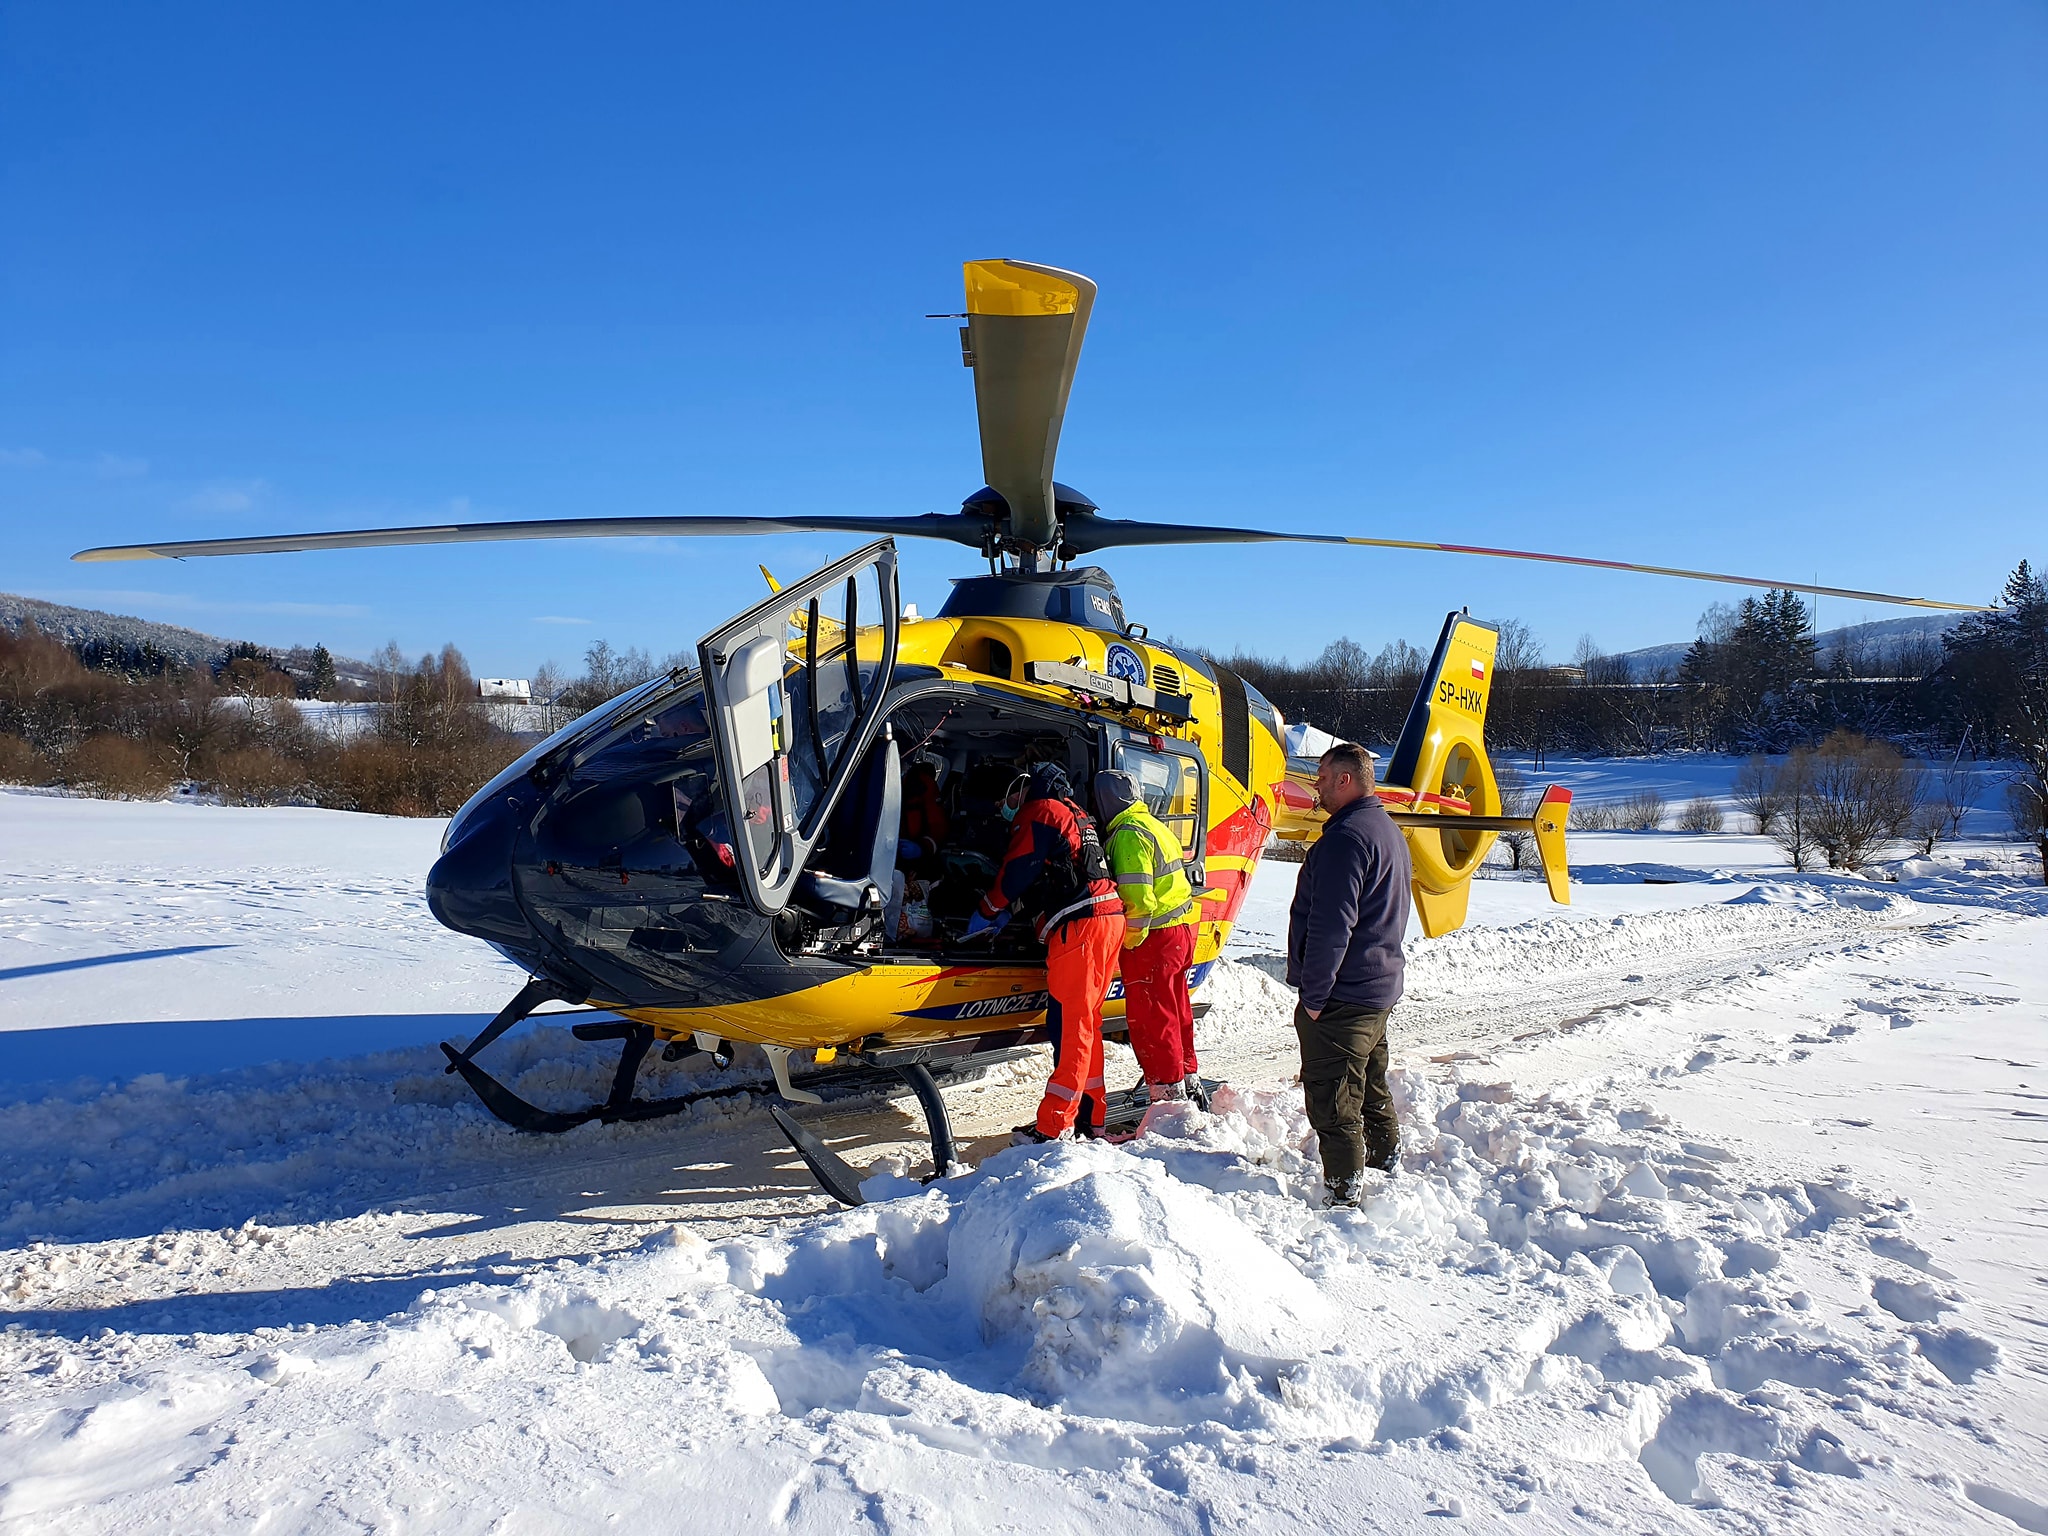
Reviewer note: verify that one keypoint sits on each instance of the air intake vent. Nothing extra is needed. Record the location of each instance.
(1166, 679)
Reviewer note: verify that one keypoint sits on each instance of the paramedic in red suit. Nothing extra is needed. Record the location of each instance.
(924, 820)
(1081, 921)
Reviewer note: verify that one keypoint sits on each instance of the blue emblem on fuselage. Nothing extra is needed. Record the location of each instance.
(1125, 663)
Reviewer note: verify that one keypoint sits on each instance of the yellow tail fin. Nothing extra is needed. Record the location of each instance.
(1552, 812)
(1440, 766)
(1440, 786)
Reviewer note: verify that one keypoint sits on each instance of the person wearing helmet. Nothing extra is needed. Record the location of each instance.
(1054, 871)
(1162, 917)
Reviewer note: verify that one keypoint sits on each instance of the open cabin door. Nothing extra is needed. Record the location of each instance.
(795, 687)
(1173, 781)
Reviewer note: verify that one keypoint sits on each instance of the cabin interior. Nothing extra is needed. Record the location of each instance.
(919, 834)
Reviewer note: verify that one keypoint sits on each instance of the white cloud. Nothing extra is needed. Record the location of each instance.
(22, 458)
(556, 618)
(119, 466)
(227, 496)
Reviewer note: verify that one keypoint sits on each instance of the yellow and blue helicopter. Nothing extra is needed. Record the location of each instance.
(720, 856)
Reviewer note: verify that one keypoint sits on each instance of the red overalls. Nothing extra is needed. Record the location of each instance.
(1082, 942)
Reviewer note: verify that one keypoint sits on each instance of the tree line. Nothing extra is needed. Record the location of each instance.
(115, 720)
(1750, 684)
(420, 745)
(414, 739)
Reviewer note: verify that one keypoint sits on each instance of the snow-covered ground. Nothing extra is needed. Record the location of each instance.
(1721, 1209)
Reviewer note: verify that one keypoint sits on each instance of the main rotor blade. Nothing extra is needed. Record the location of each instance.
(956, 527)
(1024, 328)
(1084, 535)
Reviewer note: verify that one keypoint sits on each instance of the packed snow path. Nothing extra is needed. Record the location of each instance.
(1720, 1210)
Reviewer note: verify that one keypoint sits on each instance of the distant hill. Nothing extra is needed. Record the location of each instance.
(193, 648)
(1654, 661)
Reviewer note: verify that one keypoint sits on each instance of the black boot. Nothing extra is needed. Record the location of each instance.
(1341, 1194)
(1089, 1122)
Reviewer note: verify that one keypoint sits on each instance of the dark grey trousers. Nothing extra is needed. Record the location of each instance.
(1344, 1082)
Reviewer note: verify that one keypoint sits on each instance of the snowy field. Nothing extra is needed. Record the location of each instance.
(1722, 1209)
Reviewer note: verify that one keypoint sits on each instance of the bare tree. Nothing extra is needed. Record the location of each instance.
(1398, 666)
(1344, 664)
(1951, 794)
(1914, 655)
(1760, 791)
(1518, 649)
(548, 684)
(189, 726)
(1700, 815)
(1863, 795)
(1791, 784)
(2028, 806)
(1643, 811)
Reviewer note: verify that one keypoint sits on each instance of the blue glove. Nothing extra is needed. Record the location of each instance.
(977, 925)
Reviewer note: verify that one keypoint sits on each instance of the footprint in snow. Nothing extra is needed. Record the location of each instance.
(1913, 1301)
(1904, 1251)
(2022, 1512)
(1957, 1353)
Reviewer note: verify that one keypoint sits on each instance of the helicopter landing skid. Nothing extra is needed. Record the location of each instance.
(635, 1040)
(832, 1172)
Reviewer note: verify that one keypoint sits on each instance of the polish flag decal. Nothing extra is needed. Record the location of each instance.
(1478, 670)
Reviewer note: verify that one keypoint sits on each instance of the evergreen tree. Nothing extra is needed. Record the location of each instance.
(1995, 680)
(1751, 672)
(323, 680)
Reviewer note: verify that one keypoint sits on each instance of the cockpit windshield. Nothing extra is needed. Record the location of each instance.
(584, 727)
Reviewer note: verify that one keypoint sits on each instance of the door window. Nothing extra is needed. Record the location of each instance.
(795, 686)
(1171, 787)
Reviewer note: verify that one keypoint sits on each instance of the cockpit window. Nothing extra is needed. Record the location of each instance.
(683, 721)
(550, 749)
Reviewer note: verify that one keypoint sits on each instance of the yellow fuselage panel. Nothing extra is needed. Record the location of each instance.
(904, 1004)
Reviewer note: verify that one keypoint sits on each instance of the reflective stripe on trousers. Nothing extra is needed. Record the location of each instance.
(1080, 960)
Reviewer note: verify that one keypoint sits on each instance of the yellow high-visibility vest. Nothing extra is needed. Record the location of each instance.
(1151, 876)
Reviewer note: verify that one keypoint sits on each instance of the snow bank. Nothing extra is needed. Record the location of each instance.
(339, 1296)
(1616, 1295)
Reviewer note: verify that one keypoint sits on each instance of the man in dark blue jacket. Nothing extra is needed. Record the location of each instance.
(1344, 955)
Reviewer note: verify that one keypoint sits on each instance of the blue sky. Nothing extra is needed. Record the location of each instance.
(1746, 287)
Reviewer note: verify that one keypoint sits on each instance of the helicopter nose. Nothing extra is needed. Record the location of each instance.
(469, 888)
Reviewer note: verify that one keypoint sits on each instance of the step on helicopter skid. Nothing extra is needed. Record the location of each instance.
(718, 858)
